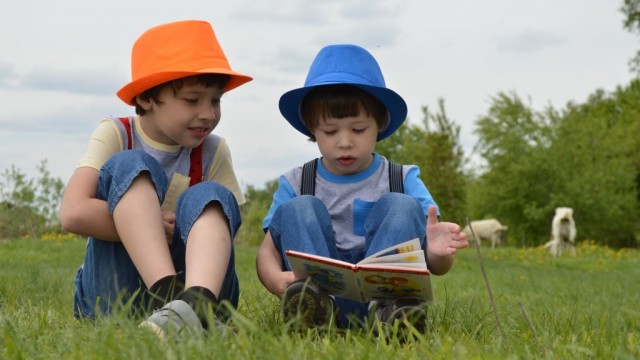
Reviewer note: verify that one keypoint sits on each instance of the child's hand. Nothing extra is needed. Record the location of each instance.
(443, 238)
(169, 222)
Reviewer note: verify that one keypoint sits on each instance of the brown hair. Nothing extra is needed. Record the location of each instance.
(340, 101)
(208, 80)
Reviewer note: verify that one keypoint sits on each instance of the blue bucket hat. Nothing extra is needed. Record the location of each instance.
(345, 65)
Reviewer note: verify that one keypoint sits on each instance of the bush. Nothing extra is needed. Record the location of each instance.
(253, 212)
(29, 206)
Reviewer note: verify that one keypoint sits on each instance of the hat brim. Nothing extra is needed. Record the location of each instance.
(128, 92)
(396, 106)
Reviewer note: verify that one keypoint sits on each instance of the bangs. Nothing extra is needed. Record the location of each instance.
(208, 80)
(340, 101)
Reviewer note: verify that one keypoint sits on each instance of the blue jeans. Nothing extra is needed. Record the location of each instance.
(108, 279)
(303, 224)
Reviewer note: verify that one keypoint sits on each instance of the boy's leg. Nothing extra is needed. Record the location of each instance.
(303, 224)
(352, 313)
(106, 280)
(395, 218)
(138, 219)
(108, 274)
(207, 220)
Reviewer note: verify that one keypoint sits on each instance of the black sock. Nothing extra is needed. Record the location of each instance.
(203, 301)
(163, 291)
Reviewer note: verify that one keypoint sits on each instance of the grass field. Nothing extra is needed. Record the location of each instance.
(582, 307)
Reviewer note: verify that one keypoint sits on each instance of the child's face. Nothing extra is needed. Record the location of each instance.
(184, 118)
(347, 144)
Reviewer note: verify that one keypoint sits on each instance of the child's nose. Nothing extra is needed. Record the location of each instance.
(344, 140)
(208, 111)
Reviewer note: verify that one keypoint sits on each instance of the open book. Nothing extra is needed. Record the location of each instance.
(398, 271)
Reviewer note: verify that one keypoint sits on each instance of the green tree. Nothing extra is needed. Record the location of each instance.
(444, 162)
(514, 186)
(597, 147)
(631, 9)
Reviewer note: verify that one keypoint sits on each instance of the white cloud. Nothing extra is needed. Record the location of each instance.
(7, 75)
(296, 12)
(529, 41)
(82, 82)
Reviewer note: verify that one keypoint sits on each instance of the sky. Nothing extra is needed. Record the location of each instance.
(62, 61)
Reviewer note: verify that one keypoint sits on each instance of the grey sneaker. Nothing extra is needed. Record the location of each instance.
(175, 317)
(406, 311)
(303, 298)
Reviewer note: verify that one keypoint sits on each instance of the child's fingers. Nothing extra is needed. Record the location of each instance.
(432, 215)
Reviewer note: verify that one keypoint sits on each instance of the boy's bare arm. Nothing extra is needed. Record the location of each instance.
(269, 266)
(81, 213)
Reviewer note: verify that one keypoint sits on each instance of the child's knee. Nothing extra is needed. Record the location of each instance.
(124, 167)
(304, 204)
(204, 193)
(207, 196)
(132, 158)
(400, 203)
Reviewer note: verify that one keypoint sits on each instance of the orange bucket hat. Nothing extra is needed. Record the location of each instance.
(175, 50)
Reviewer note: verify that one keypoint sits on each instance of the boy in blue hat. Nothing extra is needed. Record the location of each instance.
(345, 209)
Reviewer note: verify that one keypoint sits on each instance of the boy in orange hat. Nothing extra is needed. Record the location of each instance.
(156, 193)
(351, 202)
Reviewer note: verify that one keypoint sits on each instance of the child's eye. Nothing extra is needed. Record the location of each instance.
(329, 132)
(191, 101)
(359, 131)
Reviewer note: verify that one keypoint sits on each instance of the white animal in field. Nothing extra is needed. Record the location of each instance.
(486, 230)
(563, 232)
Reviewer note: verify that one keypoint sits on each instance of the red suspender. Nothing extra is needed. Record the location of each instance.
(127, 126)
(195, 167)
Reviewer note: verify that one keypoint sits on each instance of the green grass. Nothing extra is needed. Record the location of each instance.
(583, 307)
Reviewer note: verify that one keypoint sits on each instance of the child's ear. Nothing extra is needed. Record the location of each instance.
(145, 104)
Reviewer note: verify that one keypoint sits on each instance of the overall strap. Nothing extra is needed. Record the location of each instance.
(396, 181)
(308, 186)
(195, 166)
(127, 126)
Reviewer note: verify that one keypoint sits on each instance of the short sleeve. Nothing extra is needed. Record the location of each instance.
(284, 193)
(105, 141)
(414, 186)
(221, 171)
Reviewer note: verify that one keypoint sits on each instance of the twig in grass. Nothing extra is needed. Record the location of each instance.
(533, 330)
(486, 279)
(524, 313)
